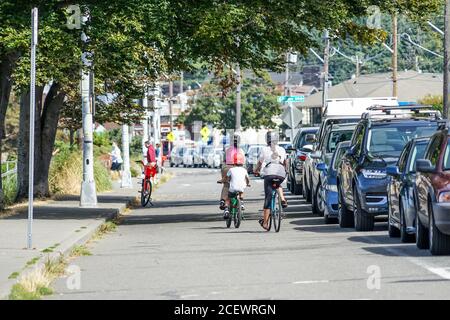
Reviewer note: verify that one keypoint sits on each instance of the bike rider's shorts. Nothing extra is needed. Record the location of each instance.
(270, 183)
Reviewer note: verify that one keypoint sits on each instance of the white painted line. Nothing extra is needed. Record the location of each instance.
(189, 296)
(311, 282)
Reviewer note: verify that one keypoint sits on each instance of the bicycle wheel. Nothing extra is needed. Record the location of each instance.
(276, 212)
(146, 192)
(228, 221)
(237, 214)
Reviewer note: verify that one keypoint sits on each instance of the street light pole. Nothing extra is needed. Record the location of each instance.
(126, 174)
(394, 56)
(34, 40)
(238, 98)
(287, 90)
(326, 58)
(88, 196)
(446, 91)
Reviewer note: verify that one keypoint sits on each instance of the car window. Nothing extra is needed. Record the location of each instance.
(338, 157)
(389, 140)
(334, 138)
(403, 159)
(434, 150)
(417, 153)
(357, 139)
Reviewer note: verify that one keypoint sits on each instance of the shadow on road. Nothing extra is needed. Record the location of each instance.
(397, 251)
(65, 213)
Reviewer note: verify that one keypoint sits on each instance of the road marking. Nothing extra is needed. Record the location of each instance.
(189, 296)
(186, 185)
(443, 272)
(311, 282)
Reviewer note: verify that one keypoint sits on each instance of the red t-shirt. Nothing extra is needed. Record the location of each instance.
(151, 154)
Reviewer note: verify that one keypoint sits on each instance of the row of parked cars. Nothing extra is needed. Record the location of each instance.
(210, 157)
(392, 161)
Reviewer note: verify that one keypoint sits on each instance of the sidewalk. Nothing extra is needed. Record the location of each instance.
(60, 224)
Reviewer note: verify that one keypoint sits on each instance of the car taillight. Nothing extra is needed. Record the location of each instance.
(302, 157)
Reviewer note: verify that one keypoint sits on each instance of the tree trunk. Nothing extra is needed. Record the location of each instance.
(47, 117)
(7, 64)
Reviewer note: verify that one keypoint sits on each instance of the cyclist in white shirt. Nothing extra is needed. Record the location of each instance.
(274, 157)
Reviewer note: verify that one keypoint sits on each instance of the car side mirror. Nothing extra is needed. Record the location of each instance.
(393, 171)
(425, 166)
(310, 138)
(316, 155)
(322, 167)
(308, 148)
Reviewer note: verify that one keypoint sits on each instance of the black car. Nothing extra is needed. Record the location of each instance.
(401, 190)
(377, 143)
(297, 155)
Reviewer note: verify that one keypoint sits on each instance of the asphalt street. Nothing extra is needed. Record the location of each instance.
(181, 249)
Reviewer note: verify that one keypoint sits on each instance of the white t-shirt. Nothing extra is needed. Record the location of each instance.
(273, 161)
(238, 180)
(115, 155)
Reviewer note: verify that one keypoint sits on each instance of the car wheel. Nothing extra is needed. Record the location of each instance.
(422, 240)
(307, 194)
(363, 222)
(439, 242)
(392, 230)
(404, 236)
(316, 202)
(345, 216)
(297, 188)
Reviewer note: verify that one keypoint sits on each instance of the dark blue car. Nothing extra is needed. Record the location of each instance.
(328, 187)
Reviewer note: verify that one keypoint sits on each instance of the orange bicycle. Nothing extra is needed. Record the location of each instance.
(147, 187)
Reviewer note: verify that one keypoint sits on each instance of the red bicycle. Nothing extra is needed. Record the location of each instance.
(147, 186)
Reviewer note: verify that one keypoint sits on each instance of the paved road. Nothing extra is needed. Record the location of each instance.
(180, 249)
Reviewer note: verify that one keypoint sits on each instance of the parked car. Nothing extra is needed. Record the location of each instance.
(176, 156)
(215, 159)
(377, 143)
(318, 141)
(433, 195)
(328, 183)
(285, 145)
(296, 159)
(198, 159)
(332, 135)
(188, 158)
(205, 153)
(252, 156)
(401, 190)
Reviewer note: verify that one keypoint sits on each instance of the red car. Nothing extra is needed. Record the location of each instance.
(432, 198)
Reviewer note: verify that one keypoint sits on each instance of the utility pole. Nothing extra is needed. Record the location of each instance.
(126, 174)
(326, 59)
(34, 41)
(238, 98)
(88, 196)
(145, 135)
(170, 111)
(394, 56)
(287, 92)
(446, 91)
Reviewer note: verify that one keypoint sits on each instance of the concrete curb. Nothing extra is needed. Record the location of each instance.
(66, 246)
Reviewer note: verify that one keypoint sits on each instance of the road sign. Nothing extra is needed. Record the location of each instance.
(205, 132)
(286, 99)
(170, 137)
(286, 117)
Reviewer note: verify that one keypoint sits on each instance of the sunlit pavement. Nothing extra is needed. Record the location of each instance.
(181, 249)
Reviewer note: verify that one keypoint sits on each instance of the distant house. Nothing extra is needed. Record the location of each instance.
(412, 86)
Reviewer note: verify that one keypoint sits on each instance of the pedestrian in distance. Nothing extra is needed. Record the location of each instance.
(116, 159)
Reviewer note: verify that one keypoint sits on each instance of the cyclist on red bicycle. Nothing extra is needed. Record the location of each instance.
(150, 156)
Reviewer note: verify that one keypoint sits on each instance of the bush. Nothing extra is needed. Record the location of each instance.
(101, 139)
(136, 145)
(10, 189)
(66, 173)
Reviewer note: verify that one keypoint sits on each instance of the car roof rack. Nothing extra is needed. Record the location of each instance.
(380, 112)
